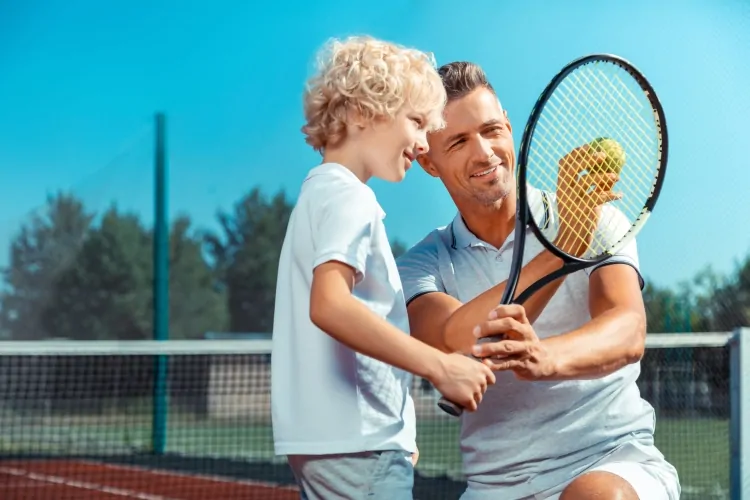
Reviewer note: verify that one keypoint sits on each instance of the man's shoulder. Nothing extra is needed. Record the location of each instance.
(428, 245)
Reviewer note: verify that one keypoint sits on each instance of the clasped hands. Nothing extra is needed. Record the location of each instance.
(518, 348)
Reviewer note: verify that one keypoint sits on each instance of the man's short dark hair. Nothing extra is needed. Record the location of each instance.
(461, 78)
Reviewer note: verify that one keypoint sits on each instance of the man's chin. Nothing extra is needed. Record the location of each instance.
(490, 198)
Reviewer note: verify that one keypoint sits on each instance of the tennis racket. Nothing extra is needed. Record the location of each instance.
(597, 117)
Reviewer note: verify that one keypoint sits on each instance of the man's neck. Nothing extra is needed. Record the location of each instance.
(491, 223)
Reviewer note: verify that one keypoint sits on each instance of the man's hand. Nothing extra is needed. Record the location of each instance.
(462, 380)
(580, 197)
(520, 351)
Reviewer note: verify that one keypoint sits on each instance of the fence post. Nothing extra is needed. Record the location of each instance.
(739, 430)
(161, 288)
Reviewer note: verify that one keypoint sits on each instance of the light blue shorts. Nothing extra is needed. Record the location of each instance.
(379, 475)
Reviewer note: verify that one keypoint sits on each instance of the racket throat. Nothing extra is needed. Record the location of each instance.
(566, 269)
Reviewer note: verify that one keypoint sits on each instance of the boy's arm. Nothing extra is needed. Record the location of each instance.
(344, 225)
(337, 312)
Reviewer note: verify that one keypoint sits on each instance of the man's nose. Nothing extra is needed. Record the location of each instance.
(482, 150)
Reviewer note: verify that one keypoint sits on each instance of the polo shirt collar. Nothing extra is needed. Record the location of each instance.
(462, 237)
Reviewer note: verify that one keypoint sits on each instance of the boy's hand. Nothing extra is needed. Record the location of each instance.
(463, 380)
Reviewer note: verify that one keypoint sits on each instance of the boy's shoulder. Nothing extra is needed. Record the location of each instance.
(332, 193)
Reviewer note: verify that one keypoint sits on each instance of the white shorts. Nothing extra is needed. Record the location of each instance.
(644, 467)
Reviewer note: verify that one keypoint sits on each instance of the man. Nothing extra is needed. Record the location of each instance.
(564, 419)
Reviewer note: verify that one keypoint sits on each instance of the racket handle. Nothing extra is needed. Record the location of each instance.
(450, 407)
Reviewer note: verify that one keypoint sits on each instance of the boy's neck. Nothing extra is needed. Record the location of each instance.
(348, 157)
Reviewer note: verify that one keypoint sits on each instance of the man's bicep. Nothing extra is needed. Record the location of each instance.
(428, 314)
(628, 255)
(617, 285)
(428, 304)
(419, 270)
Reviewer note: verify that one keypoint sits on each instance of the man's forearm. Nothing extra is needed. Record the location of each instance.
(602, 346)
(458, 328)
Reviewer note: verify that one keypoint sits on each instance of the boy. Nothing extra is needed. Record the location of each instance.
(342, 354)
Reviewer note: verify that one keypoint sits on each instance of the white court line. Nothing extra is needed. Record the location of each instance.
(47, 478)
(199, 476)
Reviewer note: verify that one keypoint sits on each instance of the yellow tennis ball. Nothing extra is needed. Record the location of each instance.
(615, 155)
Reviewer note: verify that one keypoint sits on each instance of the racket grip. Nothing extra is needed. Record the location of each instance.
(450, 407)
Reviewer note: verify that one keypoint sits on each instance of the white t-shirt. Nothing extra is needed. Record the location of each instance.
(325, 397)
(527, 437)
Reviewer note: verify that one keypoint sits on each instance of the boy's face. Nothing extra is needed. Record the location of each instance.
(390, 146)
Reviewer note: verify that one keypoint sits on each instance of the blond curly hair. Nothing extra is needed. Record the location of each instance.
(374, 78)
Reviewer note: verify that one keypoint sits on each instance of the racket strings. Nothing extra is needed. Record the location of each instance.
(577, 206)
(631, 207)
(640, 175)
(599, 99)
(643, 153)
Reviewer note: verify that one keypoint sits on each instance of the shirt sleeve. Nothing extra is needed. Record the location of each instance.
(420, 270)
(628, 254)
(343, 227)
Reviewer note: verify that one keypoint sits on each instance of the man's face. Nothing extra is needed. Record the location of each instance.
(474, 154)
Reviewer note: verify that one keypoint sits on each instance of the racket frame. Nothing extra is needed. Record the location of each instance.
(571, 263)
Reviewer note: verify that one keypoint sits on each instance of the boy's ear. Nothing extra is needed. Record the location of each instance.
(355, 119)
(427, 165)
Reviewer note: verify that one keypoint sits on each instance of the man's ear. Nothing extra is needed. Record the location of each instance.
(427, 165)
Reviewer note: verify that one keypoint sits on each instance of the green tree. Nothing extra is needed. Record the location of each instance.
(197, 302)
(108, 293)
(728, 300)
(246, 257)
(398, 248)
(46, 246)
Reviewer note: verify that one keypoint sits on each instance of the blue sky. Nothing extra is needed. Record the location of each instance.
(80, 81)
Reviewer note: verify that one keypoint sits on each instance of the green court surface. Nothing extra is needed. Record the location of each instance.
(698, 448)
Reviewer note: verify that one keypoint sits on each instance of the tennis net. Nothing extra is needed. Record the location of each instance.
(77, 420)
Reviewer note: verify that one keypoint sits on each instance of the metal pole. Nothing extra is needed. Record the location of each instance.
(739, 430)
(161, 287)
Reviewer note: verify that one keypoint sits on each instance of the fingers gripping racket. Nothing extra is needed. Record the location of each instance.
(597, 124)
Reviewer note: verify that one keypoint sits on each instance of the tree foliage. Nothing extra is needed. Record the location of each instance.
(74, 273)
(77, 274)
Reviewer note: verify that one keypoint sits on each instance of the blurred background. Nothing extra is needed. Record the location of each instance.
(81, 86)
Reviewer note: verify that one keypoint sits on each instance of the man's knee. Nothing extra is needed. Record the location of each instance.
(599, 485)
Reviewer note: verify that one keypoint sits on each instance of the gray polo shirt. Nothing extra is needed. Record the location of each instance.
(526, 436)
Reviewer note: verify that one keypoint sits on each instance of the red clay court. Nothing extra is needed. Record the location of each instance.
(85, 480)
